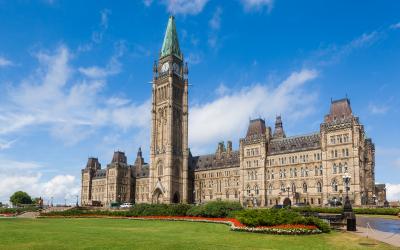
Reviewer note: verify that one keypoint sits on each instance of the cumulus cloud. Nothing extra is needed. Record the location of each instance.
(227, 116)
(27, 176)
(393, 192)
(59, 187)
(257, 5)
(4, 62)
(68, 105)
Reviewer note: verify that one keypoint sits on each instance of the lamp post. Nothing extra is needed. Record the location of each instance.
(51, 200)
(77, 205)
(346, 180)
(347, 209)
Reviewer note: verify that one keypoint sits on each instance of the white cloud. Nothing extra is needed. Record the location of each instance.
(215, 21)
(4, 62)
(28, 177)
(334, 53)
(112, 68)
(393, 192)
(6, 144)
(215, 25)
(69, 106)
(194, 58)
(60, 187)
(227, 117)
(378, 110)
(395, 26)
(191, 7)
(257, 5)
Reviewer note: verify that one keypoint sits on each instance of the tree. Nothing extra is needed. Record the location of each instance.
(20, 197)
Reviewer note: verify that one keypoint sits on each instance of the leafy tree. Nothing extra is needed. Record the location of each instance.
(20, 197)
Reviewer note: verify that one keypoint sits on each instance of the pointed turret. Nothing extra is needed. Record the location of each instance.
(279, 132)
(171, 45)
(139, 158)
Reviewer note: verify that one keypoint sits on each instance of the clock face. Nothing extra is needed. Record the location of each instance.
(165, 67)
(176, 68)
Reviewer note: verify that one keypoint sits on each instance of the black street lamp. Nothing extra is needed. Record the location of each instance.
(347, 209)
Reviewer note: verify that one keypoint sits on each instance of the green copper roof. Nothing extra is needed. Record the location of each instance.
(171, 45)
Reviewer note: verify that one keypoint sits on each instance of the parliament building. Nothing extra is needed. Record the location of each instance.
(268, 168)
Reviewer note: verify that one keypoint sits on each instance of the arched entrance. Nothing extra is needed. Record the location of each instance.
(287, 202)
(176, 198)
(157, 196)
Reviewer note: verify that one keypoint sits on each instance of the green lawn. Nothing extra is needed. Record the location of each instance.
(132, 234)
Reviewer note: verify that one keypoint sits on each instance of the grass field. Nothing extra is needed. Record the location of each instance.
(133, 234)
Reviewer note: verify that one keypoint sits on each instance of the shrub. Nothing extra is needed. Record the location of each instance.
(137, 210)
(215, 209)
(273, 217)
(338, 210)
(18, 210)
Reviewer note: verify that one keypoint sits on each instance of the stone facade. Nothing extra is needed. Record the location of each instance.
(268, 167)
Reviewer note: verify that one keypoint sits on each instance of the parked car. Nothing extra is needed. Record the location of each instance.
(126, 205)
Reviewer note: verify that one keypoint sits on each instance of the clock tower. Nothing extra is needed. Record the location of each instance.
(169, 150)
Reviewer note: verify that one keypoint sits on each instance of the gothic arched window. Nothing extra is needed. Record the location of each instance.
(304, 188)
(160, 169)
(270, 189)
(319, 187)
(293, 188)
(334, 186)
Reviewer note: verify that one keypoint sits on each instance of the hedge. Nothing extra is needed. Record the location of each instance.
(215, 209)
(338, 210)
(137, 210)
(18, 210)
(274, 217)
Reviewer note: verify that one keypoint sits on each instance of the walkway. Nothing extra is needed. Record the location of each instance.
(390, 238)
(382, 229)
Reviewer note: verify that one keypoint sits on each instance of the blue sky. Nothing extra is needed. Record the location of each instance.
(74, 78)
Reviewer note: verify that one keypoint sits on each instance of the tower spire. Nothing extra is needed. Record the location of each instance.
(171, 45)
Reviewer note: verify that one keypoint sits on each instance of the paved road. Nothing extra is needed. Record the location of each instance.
(384, 225)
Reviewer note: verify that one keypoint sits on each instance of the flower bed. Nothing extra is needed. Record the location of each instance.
(233, 223)
(7, 215)
(237, 226)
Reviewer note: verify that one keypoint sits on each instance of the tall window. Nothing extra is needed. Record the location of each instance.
(334, 168)
(345, 167)
(334, 186)
(340, 168)
(304, 188)
(270, 189)
(316, 170)
(320, 170)
(160, 169)
(272, 174)
(256, 190)
(248, 190)
(293, 188)
(319, 187)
